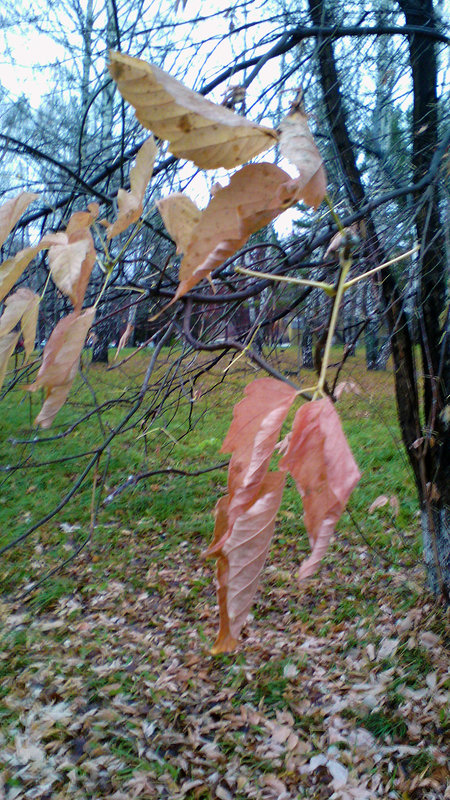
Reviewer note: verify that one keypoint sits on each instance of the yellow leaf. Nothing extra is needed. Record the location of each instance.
(298, 146)
(210, 135)
(11, 211)
(130, 203)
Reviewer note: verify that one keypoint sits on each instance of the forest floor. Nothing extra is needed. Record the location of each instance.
(338, 689)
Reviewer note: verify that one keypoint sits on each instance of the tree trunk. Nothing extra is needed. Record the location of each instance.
(433, 320)
(307, 348)
(100, 351)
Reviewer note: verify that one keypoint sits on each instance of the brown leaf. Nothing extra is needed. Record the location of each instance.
(298, 146)
(130, 204)
(346, 386)
(344, 237)
(321, 463)
(11, 211)
(21, 306)
(7, 346)
(255, 195)
(208, 134)
(60, 362)
(379, 502)
(124, 338)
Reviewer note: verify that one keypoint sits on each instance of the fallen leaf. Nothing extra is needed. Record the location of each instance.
(379, 502)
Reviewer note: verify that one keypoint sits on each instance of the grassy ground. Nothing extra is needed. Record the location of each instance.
(107, 687)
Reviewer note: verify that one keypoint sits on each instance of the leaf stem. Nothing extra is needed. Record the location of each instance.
(326, 287)
(340, 289)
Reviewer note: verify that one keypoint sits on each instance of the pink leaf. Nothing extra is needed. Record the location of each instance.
(322, 465)
(246, 516)
(242, 556)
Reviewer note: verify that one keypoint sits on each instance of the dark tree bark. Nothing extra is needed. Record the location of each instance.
(433, 328)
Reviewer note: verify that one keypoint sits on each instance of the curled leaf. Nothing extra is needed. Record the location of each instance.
(208, 134)
(298, 146)
(322, 465)
(12, 268)
(255, 195)
(246, 515)
(180, 216)
(130, 204)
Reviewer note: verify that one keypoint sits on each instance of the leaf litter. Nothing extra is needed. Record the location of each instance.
(113, 694)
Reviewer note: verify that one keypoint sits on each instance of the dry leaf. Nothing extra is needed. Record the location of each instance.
(72, 255)
(321, 463)
(253, 433)
(298, 146)
(21, 306)
(379, 502)
(242, 555)
(180, 216)
(11, 211)
(347, 236)
(245, 517)
(255, 195)
(210, 135)
(346, 386)
(7, 346)
(60, 362)
(130, 204)
(124, 338)
(12, 268)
